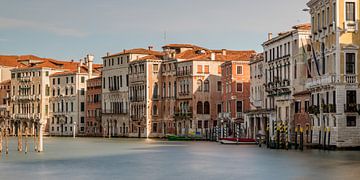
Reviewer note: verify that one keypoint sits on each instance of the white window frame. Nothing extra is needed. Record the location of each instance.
(356, 15)
(242, 69)
(356, 54)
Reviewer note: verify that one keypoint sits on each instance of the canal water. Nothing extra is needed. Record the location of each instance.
(134, 159)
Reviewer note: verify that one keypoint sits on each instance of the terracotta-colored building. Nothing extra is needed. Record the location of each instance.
(5, 102)
(302, 117)
(93, 107)
(236, 94)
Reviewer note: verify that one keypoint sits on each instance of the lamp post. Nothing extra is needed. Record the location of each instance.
(74, 129)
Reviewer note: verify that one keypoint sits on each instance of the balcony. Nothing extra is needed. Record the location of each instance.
(315, 110)
(183, 115)
(240, 115)
(321, 81)
(113, 112)
(350, 26)
(136, 117)
(350, 79)
(25, 79)
(25, 97)
(329, 108)
(351, 108)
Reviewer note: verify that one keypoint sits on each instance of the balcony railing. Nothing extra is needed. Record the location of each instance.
(321, 81)
(351, 108)
(183, 114)
(329, 108)
(350, 78)
(112, 111)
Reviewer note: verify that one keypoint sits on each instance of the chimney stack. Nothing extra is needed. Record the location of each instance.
(223, 52)
(270, 36)
(150, 48)
(212, 56)
(108, 54)
(90, 60)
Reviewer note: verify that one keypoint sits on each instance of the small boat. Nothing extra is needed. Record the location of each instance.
(238, 141)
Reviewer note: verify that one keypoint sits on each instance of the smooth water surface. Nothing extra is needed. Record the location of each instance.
(98, 158)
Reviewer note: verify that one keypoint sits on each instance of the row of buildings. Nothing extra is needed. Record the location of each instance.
(184, 90)
(307, 78)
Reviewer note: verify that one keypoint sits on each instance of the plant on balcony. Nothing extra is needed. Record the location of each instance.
(325, 108)
(332, 108)
(314, 110)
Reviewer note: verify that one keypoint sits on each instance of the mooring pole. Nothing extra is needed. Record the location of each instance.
(41, 145)
(1, 140)
(26, 140)
(7, 141)
(35, 144)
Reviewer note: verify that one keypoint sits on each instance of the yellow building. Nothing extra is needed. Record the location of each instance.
(333, 76)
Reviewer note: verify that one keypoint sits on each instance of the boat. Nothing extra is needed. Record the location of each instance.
(238, 141)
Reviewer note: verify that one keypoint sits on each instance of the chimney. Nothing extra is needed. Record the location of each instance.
(90, 60)
(72, 60)
(150, 48)
(223, 52)
(108, 54)
(81, 62)
(270, 36)
(212, 56)
(78, 68)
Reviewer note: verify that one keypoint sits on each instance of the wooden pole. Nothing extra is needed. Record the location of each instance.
(26, 140)
(18, 136)
(35, 145)
(1, 140)
(7, 140)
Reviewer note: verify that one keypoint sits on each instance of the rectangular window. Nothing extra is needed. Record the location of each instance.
(82, 106)
(351, 121)
(350, 63)
(200, 124)
(239, 106)
(58, 80)
(82, 119)
(82, 91)
(307, 106)
(206, 69)
(350, 11)
(239, 70)
(155, 67)
(199, 69)
(219, 110)
(154, 128)
(82, 79)
(239, 87)
(297, 107)
(219, 85)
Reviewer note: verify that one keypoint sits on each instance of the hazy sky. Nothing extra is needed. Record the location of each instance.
(68, 29)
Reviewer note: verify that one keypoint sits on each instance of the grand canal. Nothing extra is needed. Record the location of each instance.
(97, 158)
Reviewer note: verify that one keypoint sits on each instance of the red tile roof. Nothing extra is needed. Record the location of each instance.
(136, 51)
(182, 46)
(231, 55)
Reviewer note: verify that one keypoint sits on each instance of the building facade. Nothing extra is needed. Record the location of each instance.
(67, 98)
(115, 90)
(333, 81)
(235, 84)
(93, 126)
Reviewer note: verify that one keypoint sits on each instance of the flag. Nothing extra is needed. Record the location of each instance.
(315, 59)
(305, 60)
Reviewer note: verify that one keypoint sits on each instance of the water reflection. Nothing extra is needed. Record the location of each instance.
(97, 158)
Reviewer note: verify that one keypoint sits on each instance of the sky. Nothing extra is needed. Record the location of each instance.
(70, 29)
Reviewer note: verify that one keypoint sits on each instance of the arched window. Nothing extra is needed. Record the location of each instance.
(199, 108)
(206, 107)
(154, 110)
(156, 91)
(199, 83)
(206, 86)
